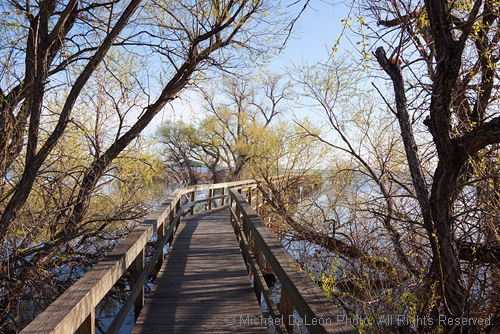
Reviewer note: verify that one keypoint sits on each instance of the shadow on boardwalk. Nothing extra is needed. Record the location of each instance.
(203, 284)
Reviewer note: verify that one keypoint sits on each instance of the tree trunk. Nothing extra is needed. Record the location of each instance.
(436, 210)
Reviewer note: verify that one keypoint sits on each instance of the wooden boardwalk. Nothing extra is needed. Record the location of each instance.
(203, 286)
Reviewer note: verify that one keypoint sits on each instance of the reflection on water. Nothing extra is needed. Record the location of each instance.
(298, 328)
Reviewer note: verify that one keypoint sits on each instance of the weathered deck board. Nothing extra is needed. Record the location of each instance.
(203, 283)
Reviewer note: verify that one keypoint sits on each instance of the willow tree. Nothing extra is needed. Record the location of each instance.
(51, 53)
(180, 149)
(236, 118)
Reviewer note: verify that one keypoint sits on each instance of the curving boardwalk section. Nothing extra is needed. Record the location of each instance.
(203, 284)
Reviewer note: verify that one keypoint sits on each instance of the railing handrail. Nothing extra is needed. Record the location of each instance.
(318, 313)
(74, 309)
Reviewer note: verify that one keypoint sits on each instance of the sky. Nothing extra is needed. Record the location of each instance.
(314, 34)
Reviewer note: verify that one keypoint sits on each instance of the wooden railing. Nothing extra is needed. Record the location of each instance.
(262, 250)
(74, 310)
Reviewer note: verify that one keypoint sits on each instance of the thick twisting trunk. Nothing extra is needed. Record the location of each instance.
(436, 208)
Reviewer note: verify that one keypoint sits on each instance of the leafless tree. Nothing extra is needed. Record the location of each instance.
(51, 52)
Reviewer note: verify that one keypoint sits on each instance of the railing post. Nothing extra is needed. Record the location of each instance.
(138, 268)
(88, 326)
(178, 205)
(249, 196)
(257, 197)
(193, 195)
(177, 209)
(246, 231)
(210, 195)
(237, 212)
(159, 237)
(259, 256)
(286, 310)
(170, 221)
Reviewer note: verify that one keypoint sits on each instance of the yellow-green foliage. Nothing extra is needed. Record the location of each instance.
(287, 147)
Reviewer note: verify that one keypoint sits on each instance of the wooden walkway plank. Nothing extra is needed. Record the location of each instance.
(203, 286)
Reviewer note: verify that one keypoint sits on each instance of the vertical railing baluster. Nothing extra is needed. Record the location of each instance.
(138, 268)
(177, 209)
(170, 221)
(159, 236)
(286, 310)
(88, 326)
(210, 195)
(237, 212)
(193, 197)
(257, 199)
(177, 205)
(259, 256)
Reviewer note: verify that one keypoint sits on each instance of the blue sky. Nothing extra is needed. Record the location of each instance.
(313, 37)
(314, 33)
